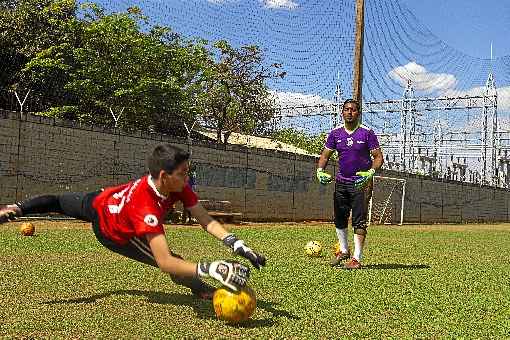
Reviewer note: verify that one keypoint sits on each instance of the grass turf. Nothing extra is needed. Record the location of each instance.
(418, 281)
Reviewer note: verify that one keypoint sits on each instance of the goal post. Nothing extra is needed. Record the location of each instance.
(386, 205)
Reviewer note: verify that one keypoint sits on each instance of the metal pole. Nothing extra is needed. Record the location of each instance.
(357, 82)
(402, 207)
(370, 203)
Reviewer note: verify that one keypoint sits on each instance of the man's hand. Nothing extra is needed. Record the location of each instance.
(239, 248)
(365, 177)
(323, 177)
(229, 273)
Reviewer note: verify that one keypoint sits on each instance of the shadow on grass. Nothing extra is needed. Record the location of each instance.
(396, 266)
(202, 308)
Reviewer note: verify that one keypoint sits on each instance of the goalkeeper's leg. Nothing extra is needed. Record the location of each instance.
(342, 208)
(360, 200)
(77, 205)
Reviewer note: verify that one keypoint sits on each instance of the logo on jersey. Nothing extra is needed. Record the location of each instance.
(349, 141)
(151, 220)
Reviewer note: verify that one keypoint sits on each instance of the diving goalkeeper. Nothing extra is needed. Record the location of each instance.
(128, 219)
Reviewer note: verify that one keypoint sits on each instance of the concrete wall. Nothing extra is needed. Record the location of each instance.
(429, 200)
(46, 155)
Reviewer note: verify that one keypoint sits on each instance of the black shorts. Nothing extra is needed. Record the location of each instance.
(346, 198)
(79, 205)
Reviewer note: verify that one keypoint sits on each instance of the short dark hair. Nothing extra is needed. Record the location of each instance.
(350, 100)
(166, 157)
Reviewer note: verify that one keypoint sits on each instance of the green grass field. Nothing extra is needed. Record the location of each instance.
(418, 282)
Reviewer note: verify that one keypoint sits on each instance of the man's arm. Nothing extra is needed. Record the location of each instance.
(166, 262)
(231, 274)
(215, 228)
(378, 159)
(209, 224)
(324, 158)
(322, 176)
(366, 176)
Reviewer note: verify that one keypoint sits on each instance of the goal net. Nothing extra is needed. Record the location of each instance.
(387, 203)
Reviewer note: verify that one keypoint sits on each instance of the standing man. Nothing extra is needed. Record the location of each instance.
(192, 175)
(359, 156)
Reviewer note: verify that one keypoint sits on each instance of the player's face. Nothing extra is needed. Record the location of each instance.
(177, 180)
(350, 113)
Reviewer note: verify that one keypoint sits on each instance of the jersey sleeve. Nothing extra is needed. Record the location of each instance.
(188, 197)
(372, 142)
(331, 141)
(147, 221)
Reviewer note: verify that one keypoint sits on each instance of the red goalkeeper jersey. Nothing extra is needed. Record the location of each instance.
(136, 209)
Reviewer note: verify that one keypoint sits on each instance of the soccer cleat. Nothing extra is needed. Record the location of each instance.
(352, 264)
(339, 258)
(9, 213)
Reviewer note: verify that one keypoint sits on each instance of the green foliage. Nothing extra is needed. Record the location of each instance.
(115, 69)
(235, 97)
(312, 143)
(418, 281)
(28, 27)
(122, 76)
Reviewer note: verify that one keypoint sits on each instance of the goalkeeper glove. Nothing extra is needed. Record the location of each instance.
(365, 177)
(323, 177)
(241, 249)
(229, 273)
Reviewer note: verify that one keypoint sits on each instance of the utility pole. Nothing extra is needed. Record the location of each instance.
(357, 82)
(338, 102)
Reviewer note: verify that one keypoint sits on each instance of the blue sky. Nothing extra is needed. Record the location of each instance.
(468, 25)
(442, 46)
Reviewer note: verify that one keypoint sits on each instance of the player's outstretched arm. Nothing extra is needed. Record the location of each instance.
(229, 273)
(215, 228)
(166, 262)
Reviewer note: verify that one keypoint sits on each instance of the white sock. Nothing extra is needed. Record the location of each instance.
(358, 246)
(342, 239)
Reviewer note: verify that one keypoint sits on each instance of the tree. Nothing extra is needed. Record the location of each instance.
(314, 144)
(28, 27)
(235, 97)
(122, 76)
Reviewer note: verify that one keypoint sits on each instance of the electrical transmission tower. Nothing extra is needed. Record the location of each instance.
(434, 149)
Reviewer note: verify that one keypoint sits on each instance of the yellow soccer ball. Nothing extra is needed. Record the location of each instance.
(234, 307)
(313, 248)
(27, 229)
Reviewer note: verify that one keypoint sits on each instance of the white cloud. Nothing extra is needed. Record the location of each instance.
(504, 99)
(298, 99)
(443, 84)
(300, 103)
(276, 4)
(422, 79)
(218, 1)
(503, 95)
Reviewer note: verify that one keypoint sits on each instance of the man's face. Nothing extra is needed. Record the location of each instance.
(350, 113)
(177, 180)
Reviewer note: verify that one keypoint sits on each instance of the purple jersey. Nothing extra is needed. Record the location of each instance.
(353, 151)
